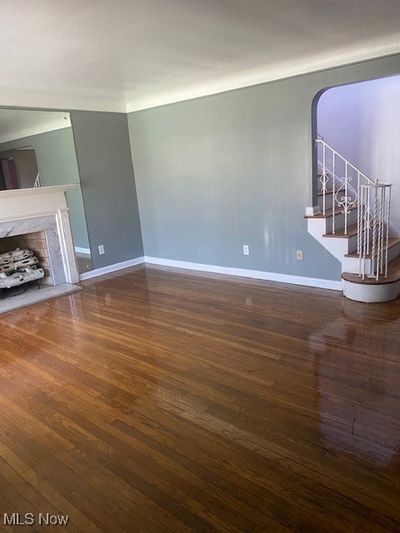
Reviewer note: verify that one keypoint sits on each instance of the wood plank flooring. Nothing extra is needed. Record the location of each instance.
(156, 400)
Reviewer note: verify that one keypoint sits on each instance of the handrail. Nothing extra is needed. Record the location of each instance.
(337, 154)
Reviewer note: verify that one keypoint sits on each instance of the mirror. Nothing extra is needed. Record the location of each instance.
(37, 150)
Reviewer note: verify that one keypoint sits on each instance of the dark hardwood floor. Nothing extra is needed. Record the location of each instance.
(156, 400)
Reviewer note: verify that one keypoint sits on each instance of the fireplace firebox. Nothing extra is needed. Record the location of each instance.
(19, 267)
(23, 259)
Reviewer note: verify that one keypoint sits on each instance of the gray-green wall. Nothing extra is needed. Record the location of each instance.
(108, 185)
(55, 154)
(235, 168)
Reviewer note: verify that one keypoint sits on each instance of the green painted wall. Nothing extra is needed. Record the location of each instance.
(56, 158)
(235, 168)
(108, 185)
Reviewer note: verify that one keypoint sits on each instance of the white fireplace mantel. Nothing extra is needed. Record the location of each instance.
(25, 210)
(16, 203)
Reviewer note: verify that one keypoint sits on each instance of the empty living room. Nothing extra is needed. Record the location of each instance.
(200, 266)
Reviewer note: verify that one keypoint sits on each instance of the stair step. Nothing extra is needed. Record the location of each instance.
(392, 242)
(339, 234)
(326, 192)
(393, 275)
(329, 212)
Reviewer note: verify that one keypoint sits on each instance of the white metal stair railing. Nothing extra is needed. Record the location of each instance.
(373, 227)
(353, 189)
(338, 172)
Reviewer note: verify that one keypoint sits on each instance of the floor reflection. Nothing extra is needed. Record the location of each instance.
(358, 399)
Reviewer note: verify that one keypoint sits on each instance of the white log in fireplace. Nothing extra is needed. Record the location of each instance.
(42, 211)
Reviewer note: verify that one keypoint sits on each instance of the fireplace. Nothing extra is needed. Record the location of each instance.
(38, 220)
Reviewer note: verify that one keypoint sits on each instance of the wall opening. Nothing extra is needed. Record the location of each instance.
(361, 121)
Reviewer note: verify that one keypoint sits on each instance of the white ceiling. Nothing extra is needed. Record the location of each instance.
(122, 55)
(18, 123)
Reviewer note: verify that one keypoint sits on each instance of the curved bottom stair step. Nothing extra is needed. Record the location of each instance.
(371, 289)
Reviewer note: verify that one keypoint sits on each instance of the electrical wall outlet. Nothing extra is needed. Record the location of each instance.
(101, 249)
(299, 255)
(246, 249)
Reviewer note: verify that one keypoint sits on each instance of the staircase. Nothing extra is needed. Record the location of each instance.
(352, 221)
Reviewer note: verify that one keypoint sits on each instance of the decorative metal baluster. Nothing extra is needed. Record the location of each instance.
(358, 213)
(378, 232)
(374, 227)
(324, 179)
(346, 197)
(388, 208)
(334, 194)
(367, 229)
(369, 218)
(360, 234)
(381, 229)
(367, 223)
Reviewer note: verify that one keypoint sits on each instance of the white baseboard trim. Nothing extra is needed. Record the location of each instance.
(229, 271)
(111, 268)
(245, 273)
(80, 250)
